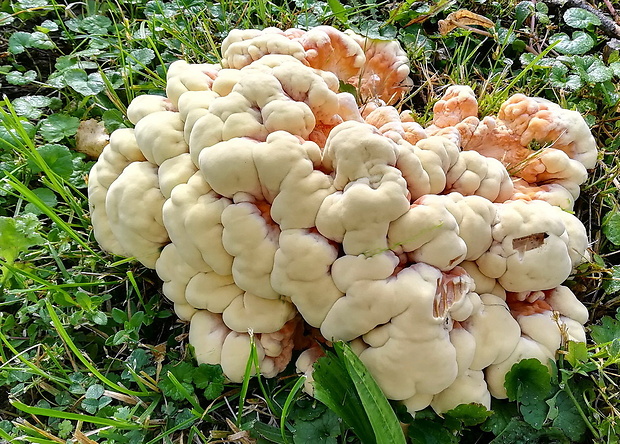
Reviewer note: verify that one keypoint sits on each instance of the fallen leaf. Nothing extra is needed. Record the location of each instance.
(463, 19)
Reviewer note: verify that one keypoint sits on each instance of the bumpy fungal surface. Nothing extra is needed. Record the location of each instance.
(272, 205)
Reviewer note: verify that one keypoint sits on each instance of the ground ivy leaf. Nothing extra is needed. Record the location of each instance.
(49, 25)
(31, 106)
(18, 42)
(113, 119)
(611, 284)
(568, 418)
(6, 18)
(580, 43)
(47, 196)
(19, 79)
(96, 24)
(40, 40)
(534, 411)
(85, 84)
(57, 157)
(560, 78)
(322, 430)
(206, 374)
(577, 352)
(29, 4)
(503, 413)
(527, 378)
(519, 432)
(607, 331)
(469, 414)
(213, 390)
(17, 234)
(170, 389)
(595, 70)
(142, 56)
(522, 11)
(210, 378)
(529, 382)
(307, 409)
(611, 227)
(425, 431)
(58, 126)
(580, 18)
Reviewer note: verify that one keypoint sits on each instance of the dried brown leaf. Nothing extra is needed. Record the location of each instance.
(463, 19)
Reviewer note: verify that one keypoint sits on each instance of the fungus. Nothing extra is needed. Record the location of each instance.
(274, 206)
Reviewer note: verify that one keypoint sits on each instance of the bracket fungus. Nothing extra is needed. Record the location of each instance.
(275, 206)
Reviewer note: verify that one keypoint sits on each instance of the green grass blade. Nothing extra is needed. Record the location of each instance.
(24, 192)
(380, 413)
(35, 370)
(67, 339)
(51, 413)
(334, 387)
(198, 410)
(6, 436)
(287, 405)
(251, 364)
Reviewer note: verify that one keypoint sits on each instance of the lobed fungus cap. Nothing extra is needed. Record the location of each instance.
(280, 211)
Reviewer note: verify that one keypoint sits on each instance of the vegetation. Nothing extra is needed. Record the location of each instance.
(89, 349)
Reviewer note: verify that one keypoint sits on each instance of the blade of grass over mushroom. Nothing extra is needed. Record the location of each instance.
(342, 382)
(380, 412)
(292, 396)
(67, 340)
(252, 365)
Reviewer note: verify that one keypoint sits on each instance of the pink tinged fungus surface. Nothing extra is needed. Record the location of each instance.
(279, 210)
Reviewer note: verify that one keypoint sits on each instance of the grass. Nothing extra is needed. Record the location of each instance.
(89, 349)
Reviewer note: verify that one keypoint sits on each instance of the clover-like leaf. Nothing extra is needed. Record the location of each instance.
(40, 40)
(19, 42)
(580, 43)
(529, 383)
(17, 234)
(19, 79)
(29, 4)
(96, 24)
(323, 430)
(85, 84)
(6, 18)
(560, 78)
(611, 227)
(592, 69)
(57, 157)
(580, 18)
(58, 126)
(141, 56)
(31, 106)
(46, 196)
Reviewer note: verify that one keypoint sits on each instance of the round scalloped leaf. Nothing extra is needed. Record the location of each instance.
(560, 78)
(580, 43)
(58, 126)
(580, 18)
